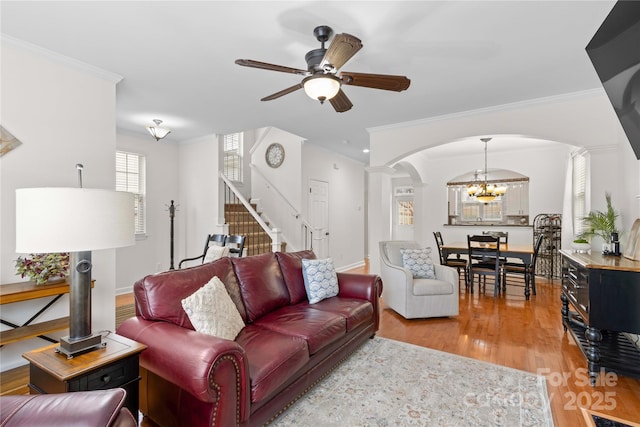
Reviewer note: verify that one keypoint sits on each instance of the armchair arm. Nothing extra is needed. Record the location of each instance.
(189, 259)
(210, 368)
(446, 273)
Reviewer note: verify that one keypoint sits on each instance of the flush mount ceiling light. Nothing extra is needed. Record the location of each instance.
(321, 86)
(157, 131)
(483, 191)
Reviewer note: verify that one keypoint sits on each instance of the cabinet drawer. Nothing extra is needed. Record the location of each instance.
(111, 376)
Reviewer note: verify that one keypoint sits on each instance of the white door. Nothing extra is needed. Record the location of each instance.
(319, 216)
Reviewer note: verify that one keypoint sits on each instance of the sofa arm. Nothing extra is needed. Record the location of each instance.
(361, 286)
(210, 368)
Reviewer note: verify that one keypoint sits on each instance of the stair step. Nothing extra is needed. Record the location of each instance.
(237, 207)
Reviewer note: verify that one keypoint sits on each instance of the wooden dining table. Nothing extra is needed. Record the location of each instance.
(509, 250)
(513, 250)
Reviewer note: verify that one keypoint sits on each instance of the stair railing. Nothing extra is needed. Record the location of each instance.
(233, 195)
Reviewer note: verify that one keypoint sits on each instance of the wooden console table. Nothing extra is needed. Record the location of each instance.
(24, 291)
(604, 293)
(111, 366)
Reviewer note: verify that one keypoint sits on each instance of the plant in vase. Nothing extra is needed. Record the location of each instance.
(581, 245)
(41, 268)
(602, 224)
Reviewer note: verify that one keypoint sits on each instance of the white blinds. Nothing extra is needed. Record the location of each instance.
(130, 170)
(579, 202)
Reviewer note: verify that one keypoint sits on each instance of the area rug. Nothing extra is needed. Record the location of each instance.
(124, 312)
(390, 383)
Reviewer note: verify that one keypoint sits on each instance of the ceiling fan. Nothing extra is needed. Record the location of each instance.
(322, 80)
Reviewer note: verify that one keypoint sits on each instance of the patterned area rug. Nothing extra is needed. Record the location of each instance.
(390, 383)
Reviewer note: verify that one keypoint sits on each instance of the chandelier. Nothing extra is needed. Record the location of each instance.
(483, 191)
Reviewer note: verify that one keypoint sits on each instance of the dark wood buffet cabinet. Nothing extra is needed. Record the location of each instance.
(600, 304)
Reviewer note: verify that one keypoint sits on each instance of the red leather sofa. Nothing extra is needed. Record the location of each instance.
(287, 346)
(100, 408)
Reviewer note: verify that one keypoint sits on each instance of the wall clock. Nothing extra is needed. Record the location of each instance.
(274, 155)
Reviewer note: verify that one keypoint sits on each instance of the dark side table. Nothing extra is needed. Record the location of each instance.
(114, 365)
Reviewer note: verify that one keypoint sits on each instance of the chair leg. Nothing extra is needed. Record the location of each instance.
(533, 282)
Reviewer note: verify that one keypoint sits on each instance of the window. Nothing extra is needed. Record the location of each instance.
(579, 192)
(232, 167)
(405, 212)
(130, 172)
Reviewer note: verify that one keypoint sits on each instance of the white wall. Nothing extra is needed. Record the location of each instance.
(63, 115)
(199, 194)
(151, 253)
(583, 120)
(346, 202)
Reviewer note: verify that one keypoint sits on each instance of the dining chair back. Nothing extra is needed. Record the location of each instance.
(236, 245)
(527, 271)
(484, 260)
(457, 262)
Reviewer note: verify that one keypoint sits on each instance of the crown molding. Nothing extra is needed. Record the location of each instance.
(494, 109)
(59, 58)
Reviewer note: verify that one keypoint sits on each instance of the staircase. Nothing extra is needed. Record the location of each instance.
(241, 222)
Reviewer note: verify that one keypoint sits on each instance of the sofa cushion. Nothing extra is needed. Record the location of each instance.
(319, 328)
(261, 284)
(419, 262)
(212, 312)
(432, 287)
(355, 311)
(291, 266)
(158, 296)
(273, 358)
(320, 279)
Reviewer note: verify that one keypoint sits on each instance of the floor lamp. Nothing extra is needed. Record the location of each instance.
(78, 221)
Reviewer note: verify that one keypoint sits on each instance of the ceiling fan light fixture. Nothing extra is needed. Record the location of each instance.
(157, 131)
(321, 87)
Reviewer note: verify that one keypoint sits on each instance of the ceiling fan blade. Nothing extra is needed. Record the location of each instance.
(342, 48)
(376, 81)
(266, 66)
(282, 92)
(340, 102)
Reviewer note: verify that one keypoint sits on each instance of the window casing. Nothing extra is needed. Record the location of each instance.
(130, 177)
(232, 163)
(579, 192)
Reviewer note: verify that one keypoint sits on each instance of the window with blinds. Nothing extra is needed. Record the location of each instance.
(130, 173)
(232, 167)
(579, 192)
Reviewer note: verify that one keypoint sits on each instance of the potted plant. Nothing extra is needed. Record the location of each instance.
(602, 224)
(43, 268)
(581, 245)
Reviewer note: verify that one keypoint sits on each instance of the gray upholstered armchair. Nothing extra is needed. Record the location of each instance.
(416, 298)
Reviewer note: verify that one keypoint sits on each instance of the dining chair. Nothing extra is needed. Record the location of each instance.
(527, 271)
(484, 260)
(212, 240)
(456, 262)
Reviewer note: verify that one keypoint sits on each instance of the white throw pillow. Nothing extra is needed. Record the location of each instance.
(212, 311)
(214, 252)
(419, 262)
(320, 279)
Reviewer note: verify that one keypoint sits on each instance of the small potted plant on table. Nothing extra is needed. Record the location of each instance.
(44, 268)
(601, 224)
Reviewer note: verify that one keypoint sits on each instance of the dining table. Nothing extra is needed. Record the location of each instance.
(523, 251)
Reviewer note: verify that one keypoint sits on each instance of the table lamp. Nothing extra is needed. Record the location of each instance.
(74, 220)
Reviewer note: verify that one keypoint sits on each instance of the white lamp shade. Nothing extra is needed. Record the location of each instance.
(73, 219)
(322, 87)
(157, 132)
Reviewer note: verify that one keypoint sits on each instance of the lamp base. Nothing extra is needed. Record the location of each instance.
(71, 348)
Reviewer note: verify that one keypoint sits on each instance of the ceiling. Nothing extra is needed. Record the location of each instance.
(177, 58)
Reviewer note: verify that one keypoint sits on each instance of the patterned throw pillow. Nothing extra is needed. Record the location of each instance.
(419, 262)
(214, 252)
(320, 279)
(212, 311)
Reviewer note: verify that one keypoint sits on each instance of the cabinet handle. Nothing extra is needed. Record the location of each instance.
(106, 379)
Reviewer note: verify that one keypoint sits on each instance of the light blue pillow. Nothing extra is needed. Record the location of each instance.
(419, 262)
(320, 279)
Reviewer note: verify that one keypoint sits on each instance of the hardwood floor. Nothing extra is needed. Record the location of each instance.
(525, 335)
